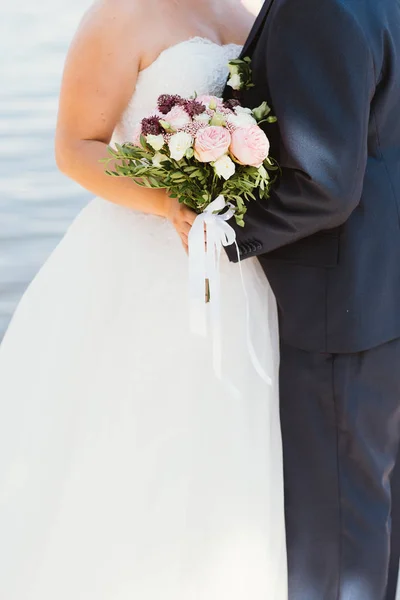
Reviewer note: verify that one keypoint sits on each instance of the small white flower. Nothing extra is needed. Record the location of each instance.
(243, 109)
(243, 119)
(235, 81)
(179, 144)
(224, 167)
(233, 69)
(203, 118)
(155, 141)
(159, 158)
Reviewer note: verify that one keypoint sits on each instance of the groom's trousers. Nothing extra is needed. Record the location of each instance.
(340, 424)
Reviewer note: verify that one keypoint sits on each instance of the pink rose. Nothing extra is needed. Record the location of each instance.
(211, 143)
(177, 117)
(250, 146)
(204, 99)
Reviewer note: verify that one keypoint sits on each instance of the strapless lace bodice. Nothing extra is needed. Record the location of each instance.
(195, 65)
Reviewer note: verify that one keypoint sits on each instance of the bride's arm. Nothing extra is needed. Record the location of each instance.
(99, 80)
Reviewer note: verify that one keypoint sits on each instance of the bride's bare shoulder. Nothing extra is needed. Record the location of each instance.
(121, 20)
(102, 63)
(118, 9)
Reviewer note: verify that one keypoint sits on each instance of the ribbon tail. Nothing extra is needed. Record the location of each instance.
(253, 354)
(215, 237)
(214, 247)
(197, 278)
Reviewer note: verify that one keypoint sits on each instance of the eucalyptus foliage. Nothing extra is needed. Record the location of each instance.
(189, 181)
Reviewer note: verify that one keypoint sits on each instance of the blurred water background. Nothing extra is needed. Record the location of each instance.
(37, 203)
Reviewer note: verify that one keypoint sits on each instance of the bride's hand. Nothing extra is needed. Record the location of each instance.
(181, 217)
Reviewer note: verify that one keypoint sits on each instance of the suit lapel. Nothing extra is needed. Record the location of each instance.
(257, 27)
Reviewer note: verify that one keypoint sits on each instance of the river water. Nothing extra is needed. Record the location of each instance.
(37, 203)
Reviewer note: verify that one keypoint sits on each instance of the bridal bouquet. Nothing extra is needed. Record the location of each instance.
(200, 149)
(213, 156)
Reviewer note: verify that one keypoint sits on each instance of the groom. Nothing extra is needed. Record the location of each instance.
(329, 242)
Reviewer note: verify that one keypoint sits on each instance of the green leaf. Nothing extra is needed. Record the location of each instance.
(261, 111)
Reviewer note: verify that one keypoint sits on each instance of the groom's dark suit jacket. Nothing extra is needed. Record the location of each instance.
(329, 237)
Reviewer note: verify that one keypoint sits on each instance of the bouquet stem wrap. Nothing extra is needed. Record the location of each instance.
(209, 234)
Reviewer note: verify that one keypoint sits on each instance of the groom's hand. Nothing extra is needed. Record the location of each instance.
(182, 219)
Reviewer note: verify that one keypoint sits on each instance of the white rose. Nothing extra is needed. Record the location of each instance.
(179, 144)
(203, 118)
(235, 81)
(224, 167)
(243, 119)
(159, 158)
(243, 109)
(155, 141)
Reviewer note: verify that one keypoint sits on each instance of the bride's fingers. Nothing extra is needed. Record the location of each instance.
(185, 245)
(185, 228)
(184, 239)
(189, 216)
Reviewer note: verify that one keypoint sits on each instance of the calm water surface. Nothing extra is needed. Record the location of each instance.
(37, 203)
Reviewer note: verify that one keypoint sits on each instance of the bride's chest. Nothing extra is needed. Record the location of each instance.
(196, 66)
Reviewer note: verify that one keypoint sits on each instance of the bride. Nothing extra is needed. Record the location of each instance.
(127, 469)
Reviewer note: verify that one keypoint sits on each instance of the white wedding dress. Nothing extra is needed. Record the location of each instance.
(128, 471)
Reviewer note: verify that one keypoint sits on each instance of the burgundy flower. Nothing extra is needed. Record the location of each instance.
(193, 108)
(151, 126)
(166, 102)
(232, 103)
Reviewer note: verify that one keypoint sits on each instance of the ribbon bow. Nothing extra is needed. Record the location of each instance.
(210, 232)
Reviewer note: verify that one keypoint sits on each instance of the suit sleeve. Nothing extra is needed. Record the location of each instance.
(320, 75)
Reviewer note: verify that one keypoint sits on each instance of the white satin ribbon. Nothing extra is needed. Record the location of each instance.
(209, 233)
